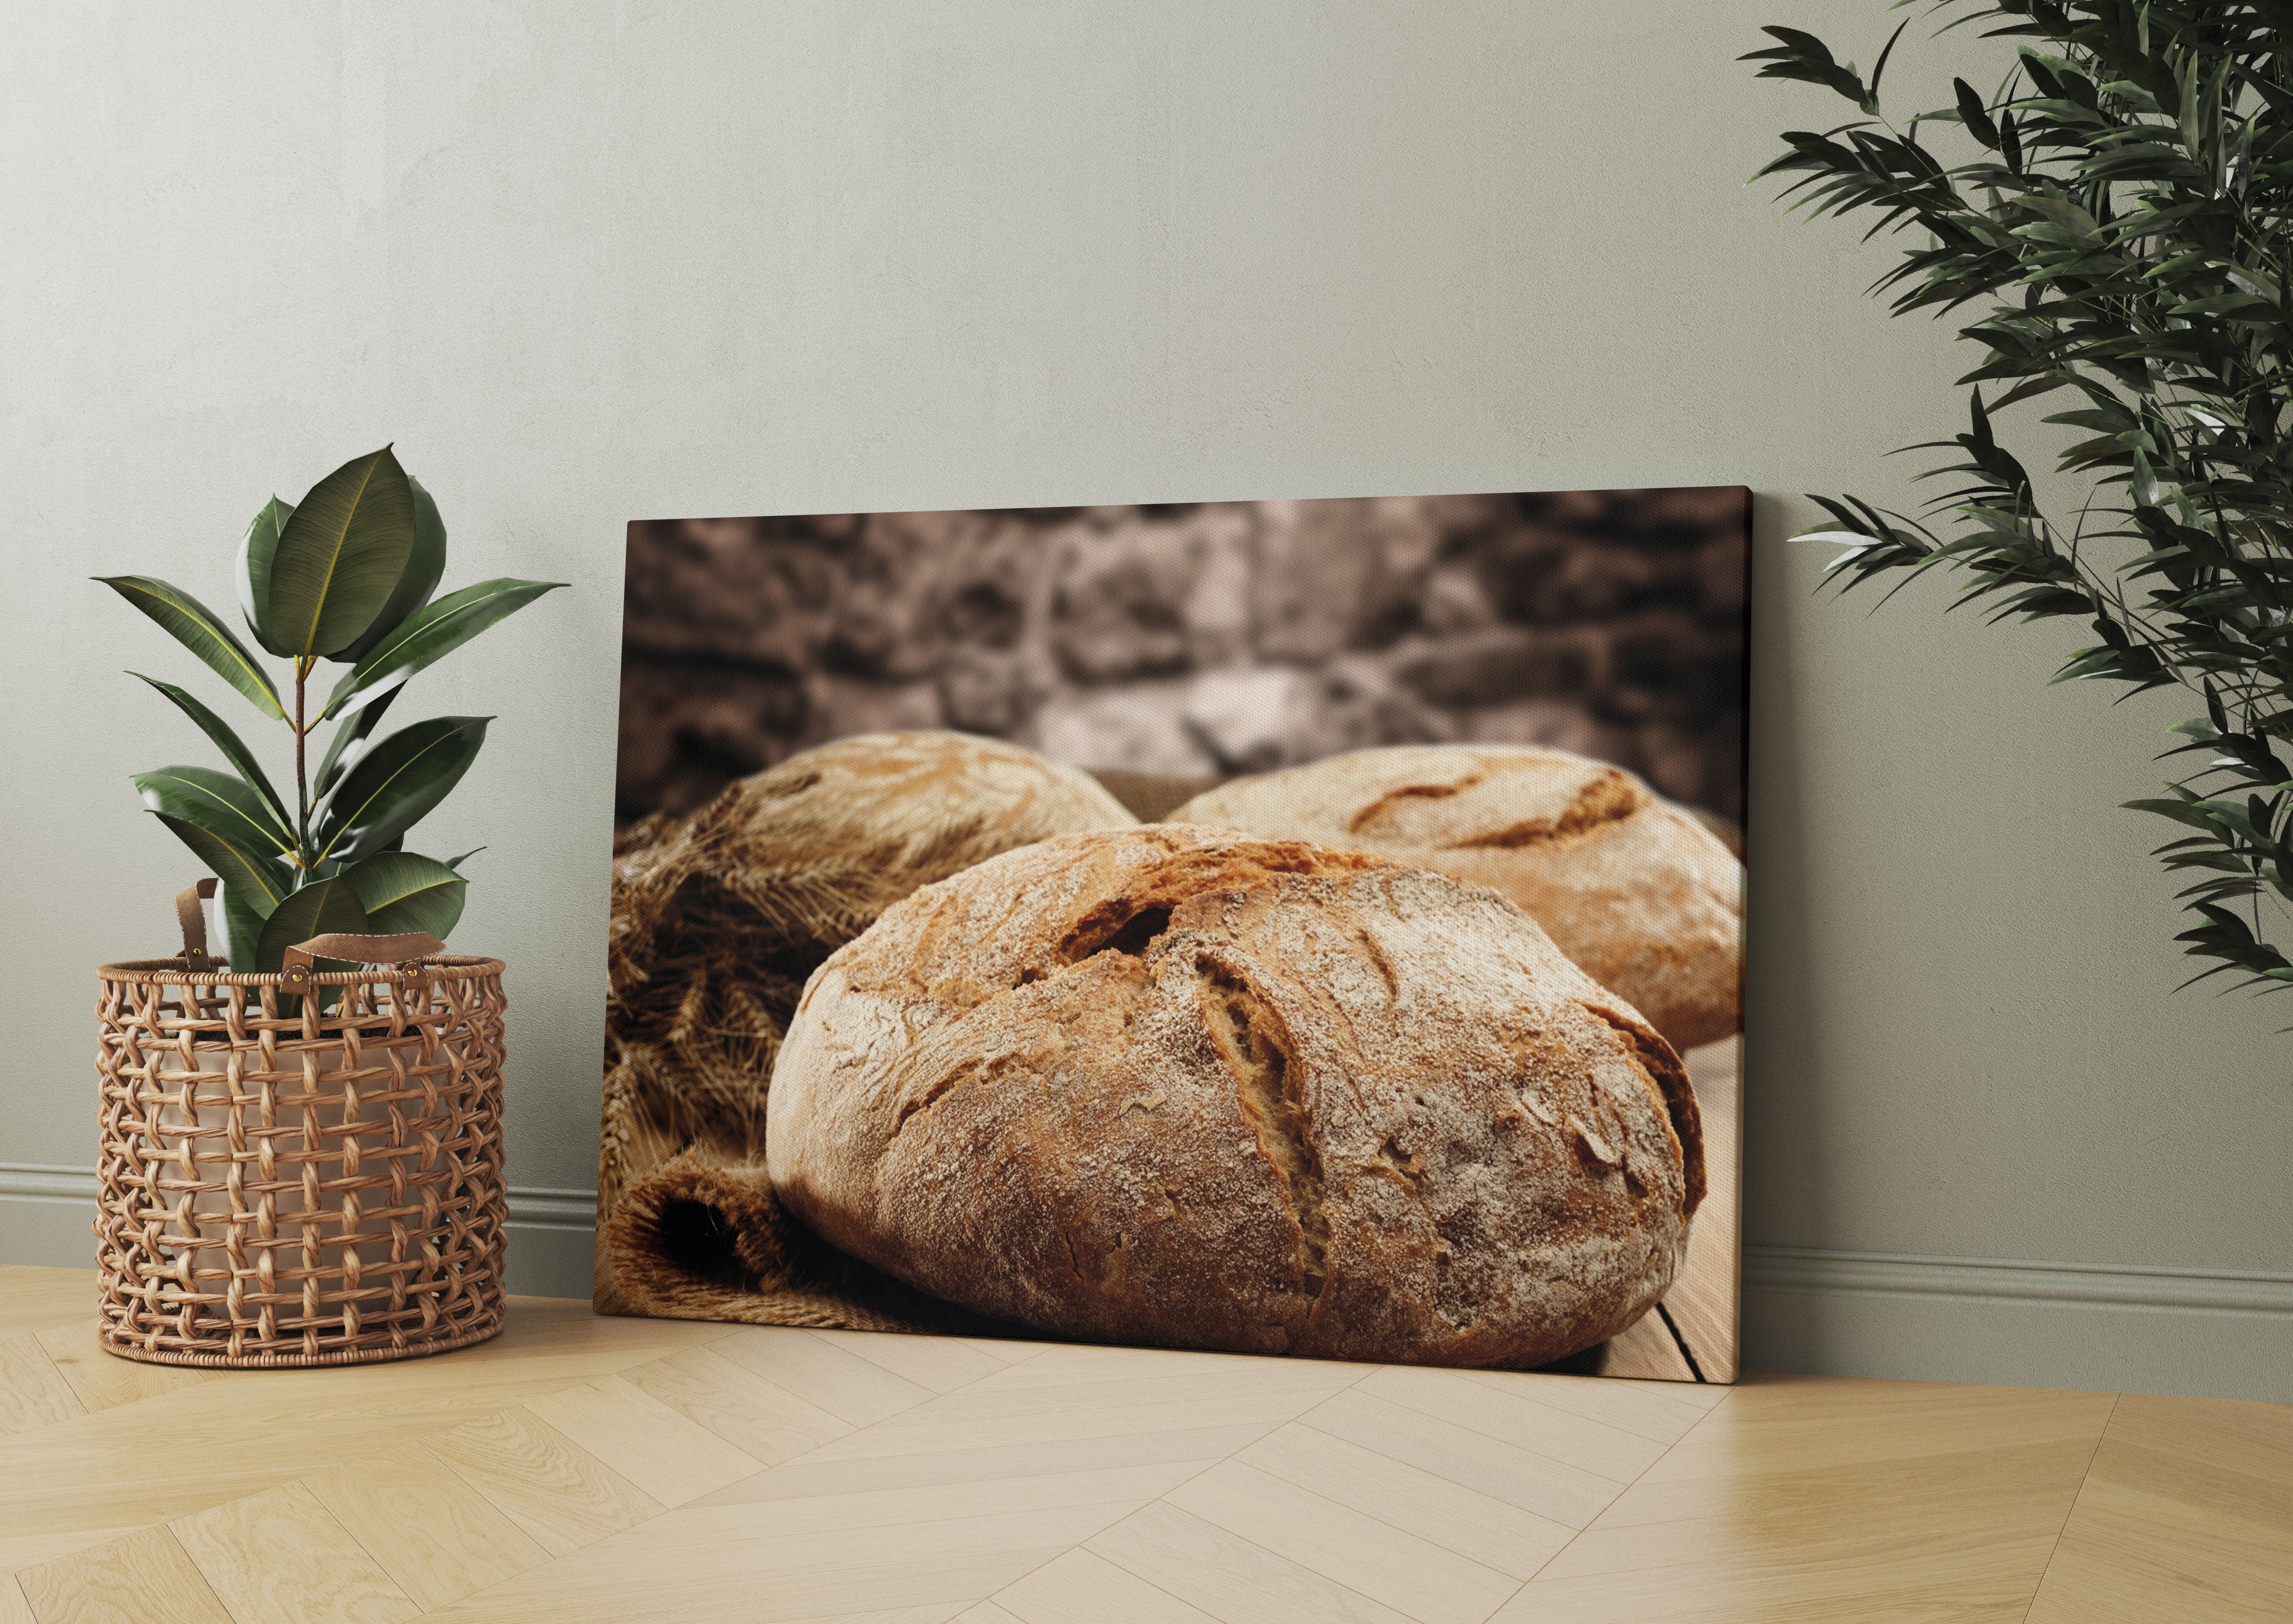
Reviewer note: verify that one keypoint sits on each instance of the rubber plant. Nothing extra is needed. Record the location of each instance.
(347, 575)
(2109, 222)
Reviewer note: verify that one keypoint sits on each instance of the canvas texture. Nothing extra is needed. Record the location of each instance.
(1532, 706)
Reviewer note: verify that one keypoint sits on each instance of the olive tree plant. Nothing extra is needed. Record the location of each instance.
(2108, 221)
(347, 575)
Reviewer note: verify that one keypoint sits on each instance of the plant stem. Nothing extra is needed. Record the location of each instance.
(302, 790)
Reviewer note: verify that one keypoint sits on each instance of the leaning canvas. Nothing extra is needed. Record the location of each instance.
(1309, 929)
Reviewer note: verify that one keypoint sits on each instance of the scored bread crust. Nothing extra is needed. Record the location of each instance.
(1180, 1087)
(1647, 899)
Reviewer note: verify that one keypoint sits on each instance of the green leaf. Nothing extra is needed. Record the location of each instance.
(256, 549)
(349, 743)
(233, 748)
(424, 565)
(456, 863)
(263, 882)
(317, 909)
(240, 927)
(403, 891)
(340, 556)
(396, 784)
(198, 628)
(217, 801)
(429, 635)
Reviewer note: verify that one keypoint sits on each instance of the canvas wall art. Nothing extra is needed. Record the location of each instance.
(1309, 929)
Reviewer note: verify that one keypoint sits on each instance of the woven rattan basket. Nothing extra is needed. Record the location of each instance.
(298, 1176)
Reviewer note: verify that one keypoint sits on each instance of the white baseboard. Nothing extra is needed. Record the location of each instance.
(2216, 1333)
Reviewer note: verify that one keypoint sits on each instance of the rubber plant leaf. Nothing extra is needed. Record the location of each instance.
(256, 549)
(217, 801)
(340, 556)
(402, 890)
(262, 883)
(350, 743)
(430, 634)
(396, 784)
(198, 628)
(240, 927)
(233, 747)
(317, 909)
(424, 565)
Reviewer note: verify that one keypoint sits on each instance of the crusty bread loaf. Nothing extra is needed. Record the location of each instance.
(1647, 899)
(1175, 1086)
(719, 916)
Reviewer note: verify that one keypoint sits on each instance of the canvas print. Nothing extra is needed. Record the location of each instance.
(1309, 929)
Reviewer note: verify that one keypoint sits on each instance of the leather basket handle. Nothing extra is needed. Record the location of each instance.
(194, 923)
(296, 964)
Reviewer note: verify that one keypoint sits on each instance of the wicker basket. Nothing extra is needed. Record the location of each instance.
(298, 1176)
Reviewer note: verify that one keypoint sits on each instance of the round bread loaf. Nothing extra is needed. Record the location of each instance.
(1180, 1087)
(1648, 900)
(719, 916)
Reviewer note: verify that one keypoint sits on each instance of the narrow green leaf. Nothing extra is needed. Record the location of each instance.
(256, 550)
(424, 565)
(318, 909)
(349, 743)
(340, 556)
(218, 801)
(401, 891)
(199, 629)
(396, 784)
(456, 863)
(429, 635)
(233, 748)
(262, 879)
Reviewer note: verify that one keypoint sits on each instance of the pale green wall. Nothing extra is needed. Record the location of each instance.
(586, 263)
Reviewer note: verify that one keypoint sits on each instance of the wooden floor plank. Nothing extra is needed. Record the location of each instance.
(986, 1613)
(248, 1431)
(2160, 1530)
(33, 1392)
(430, 1531)
(1414, 1577)
(1082, 1587)
(736, 1563)
(13, 1608)
(666, 1453)
(1476, 1526)
(940, 1363)
(146, 1578)
(1663, 1411)
(754, 1415)
(102, 1379)
(1551, 1489)
(280, 1558)
(837, 1380)
(1187, 1449)
(560, 1494)
(34, 1298)
(1229, 1578)
(1516, 1415)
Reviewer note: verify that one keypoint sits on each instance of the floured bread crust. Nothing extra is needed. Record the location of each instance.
(1644, 897)
(1174, 1086)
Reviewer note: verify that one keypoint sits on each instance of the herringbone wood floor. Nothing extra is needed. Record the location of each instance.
(620, 1470)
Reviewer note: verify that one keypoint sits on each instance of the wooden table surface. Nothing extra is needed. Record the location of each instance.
(625, 1469)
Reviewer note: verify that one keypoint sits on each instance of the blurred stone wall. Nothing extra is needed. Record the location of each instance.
(1207, 639)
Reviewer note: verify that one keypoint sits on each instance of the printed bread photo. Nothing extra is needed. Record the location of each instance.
(1644, 897)
(1176, 1086)
(717, 918)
